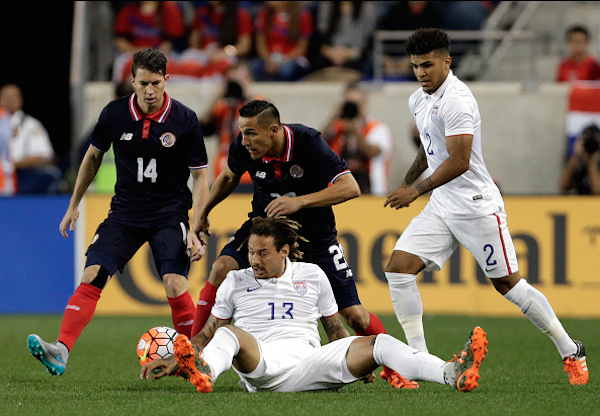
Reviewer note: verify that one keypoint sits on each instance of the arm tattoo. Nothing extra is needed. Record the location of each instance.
(334, 328)
(206, 334)
(425, 186)
(417, 168)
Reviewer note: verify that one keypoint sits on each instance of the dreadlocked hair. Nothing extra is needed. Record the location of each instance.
(283, 230)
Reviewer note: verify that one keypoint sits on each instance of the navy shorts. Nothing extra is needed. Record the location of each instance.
(329, 256)
(115, 244)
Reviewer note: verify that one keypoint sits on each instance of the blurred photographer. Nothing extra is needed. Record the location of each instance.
(364, 142)
(581, 174)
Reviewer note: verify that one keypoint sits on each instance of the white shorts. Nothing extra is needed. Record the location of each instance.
(292, 366)
(434, 239)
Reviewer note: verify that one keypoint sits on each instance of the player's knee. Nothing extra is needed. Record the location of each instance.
(175, 284)
(96, 277)
(219, 270)
(355, 319)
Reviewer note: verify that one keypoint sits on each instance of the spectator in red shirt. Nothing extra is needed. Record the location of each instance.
(579, 65)
(283, 32)
(145, 24)
(221, 33)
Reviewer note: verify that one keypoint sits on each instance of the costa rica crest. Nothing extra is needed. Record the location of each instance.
(301, 286)
(296, 171)
(167, 139)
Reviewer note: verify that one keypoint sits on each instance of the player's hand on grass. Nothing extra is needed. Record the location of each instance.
(159, 368)
(369, 379)
(69, 221)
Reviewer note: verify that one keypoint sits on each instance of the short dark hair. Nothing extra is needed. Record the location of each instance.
(578, 29)
(152, 60)
(283, 230)
(424, 40)
(267, 113)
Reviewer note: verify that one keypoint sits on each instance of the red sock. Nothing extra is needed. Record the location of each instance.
(183, 311)
(205, 303)
(78, 313)
(375, 327)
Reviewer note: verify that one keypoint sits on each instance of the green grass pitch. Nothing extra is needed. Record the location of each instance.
(521, 375)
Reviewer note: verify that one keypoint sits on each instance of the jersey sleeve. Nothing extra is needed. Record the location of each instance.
(101, 139)
(329, 162)
(458, 116)
(197, 157)
(239, 158)
(224, 302)
(327, 304)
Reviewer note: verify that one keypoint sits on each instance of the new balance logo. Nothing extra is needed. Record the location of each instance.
(126, 136)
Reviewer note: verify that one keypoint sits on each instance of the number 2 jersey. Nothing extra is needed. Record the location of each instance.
(153, 156)
(279, 308)
(308, 165)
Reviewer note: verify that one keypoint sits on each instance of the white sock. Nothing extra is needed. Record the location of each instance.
(536, 307)
(220, 351)
(408, 306)
(407, 361)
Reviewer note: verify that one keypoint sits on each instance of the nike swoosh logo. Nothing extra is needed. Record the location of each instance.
(253, 289)
(59, 359)
(145, 352)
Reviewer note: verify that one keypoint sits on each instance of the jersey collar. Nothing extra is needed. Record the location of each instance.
(289, 147)
(159, 116)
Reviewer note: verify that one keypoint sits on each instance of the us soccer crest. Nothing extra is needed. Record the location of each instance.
(167, 139)
(301, 286)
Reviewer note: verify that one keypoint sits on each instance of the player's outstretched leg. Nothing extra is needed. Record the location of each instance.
(463, 371)
(576, 365)
(192, 364)
(54, 356)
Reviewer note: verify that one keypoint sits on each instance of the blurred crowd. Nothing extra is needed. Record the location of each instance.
(235, 43)
(280, 40)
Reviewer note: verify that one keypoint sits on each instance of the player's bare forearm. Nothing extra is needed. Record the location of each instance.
(206, 333)
(222, 187)
(457, 163)
(343, 189)
(417, 168)
(334, 328)
(200, 192)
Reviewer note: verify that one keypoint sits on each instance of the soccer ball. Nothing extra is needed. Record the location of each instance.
(156, 343)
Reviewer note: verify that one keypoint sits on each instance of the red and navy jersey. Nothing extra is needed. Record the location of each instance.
(308, 165)
(153, 156)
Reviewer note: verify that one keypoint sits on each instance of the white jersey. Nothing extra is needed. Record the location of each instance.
(451, 111)
(287, 307)
(30, 138)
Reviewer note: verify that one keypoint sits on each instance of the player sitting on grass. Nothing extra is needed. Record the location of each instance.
(275, 345)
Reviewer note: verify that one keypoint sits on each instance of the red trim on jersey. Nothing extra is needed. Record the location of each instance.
(277, 169)
(159, 116)
(503, 246)
(289, 147)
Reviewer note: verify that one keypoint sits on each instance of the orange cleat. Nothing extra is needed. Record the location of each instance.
(464, 368)
(576, 365)
(397, 381)
(192, 364)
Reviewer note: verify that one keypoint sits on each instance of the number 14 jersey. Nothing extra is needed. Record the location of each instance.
(153, 156)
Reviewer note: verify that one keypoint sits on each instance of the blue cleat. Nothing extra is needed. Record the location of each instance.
(54, 356)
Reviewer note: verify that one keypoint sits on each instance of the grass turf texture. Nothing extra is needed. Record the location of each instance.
(522, 374)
